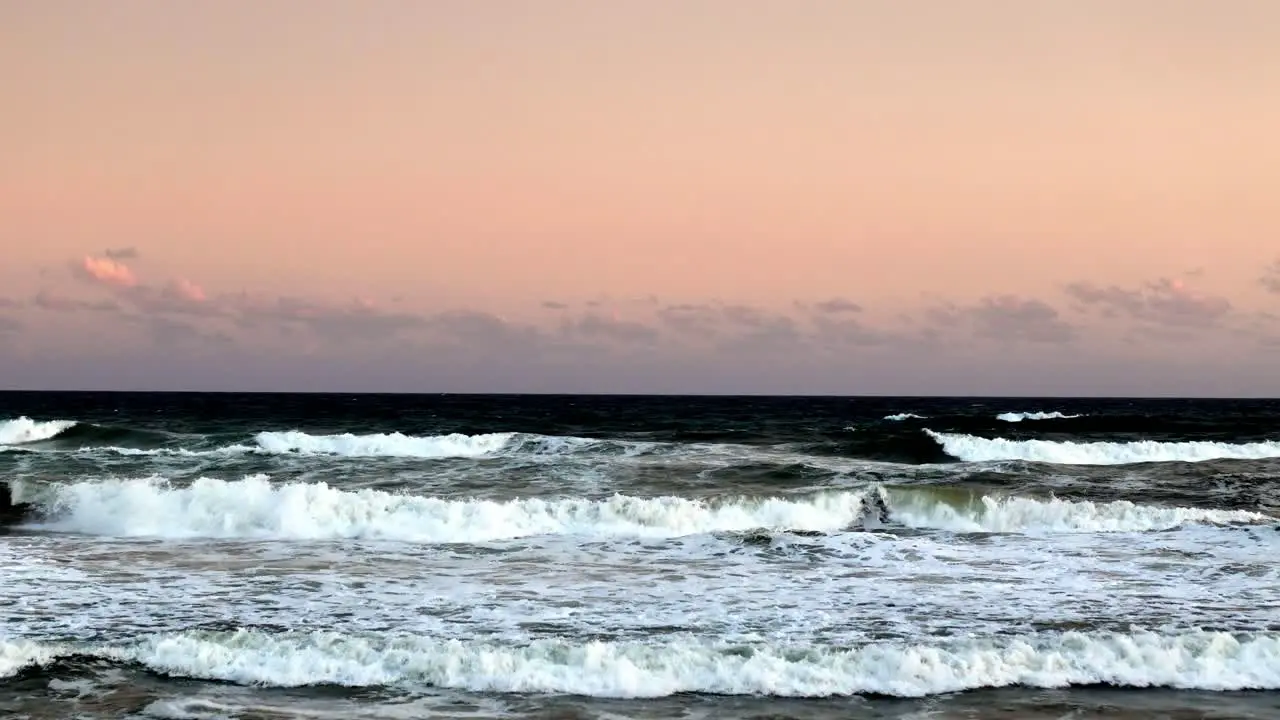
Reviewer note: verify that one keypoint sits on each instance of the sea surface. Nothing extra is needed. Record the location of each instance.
(453, 556)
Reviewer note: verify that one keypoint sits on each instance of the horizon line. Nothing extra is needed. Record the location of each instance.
(828, 396)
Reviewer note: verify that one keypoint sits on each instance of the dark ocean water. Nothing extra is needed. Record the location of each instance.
(279, 556)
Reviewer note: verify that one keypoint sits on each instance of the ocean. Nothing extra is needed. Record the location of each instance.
(454, 556)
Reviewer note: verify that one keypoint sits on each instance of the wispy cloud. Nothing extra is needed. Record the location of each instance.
(594, 326)
(1007, 318)
(837, 305)
(1164, 301)
(52, 301)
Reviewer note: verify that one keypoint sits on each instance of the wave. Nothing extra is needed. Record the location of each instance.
(68, 436)
(383, 445)
(967, 513)
(25, 430)
(1199, 660)
(1020, 416)
(969, 448)
(904, 416)
(256, 508)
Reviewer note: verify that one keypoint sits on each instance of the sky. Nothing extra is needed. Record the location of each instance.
(979, 197)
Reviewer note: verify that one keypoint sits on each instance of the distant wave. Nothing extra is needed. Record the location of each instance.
(69, 436)
(976, 449)
(25, 430)
(1191, 660)
(904, 416)
(257, 508)
(1020, 416)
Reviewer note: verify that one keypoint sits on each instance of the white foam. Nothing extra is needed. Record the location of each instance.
(256, 508)
(384, 445)
(1192, 660)
(904, 416)
(1029, 515)
(26, 430)
(16, 655)
(1020, 416)
(975, 449)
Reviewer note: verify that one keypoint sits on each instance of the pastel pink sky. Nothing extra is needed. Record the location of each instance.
(851, 196)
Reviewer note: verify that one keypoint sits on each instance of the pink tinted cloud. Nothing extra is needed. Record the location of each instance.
(187, 290)
(108, 271)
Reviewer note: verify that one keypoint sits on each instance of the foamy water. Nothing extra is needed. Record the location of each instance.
(517, 565)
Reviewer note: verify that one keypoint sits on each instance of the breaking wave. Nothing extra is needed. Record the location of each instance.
(976, 449)
(383, 445)
(25, 430)
(1012, 514)
(255, 508)
(904, 416)
(1020, 416)
(1192, 660)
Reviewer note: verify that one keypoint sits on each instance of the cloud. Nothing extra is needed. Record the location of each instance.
(842, 332)
(1007, 318)
(690, 319)
(9, 303)
(838, 305)
(554, 305)
(51, 301)
(356, 321)
(1165, 302)
(1271, 277)
(184, 289)
(9, 326)
(731, 328)
(477, 331)
(170, 333)
(594, 326)
(106, 271)
(124, 253)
